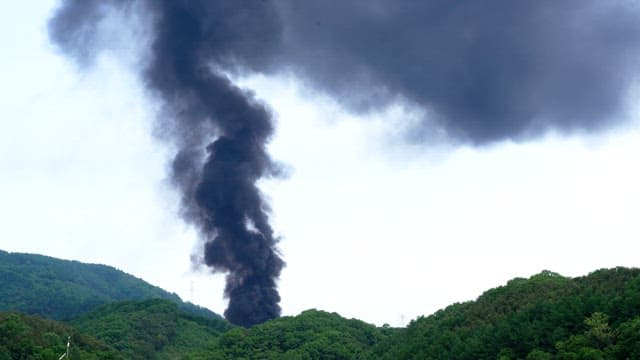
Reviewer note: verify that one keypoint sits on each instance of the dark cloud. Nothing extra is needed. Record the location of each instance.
(490, 70)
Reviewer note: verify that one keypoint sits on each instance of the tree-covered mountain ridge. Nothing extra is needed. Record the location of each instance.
(63, 289)
(545, 316)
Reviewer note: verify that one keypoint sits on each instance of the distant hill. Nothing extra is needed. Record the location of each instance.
(62, 289)
(544, 317)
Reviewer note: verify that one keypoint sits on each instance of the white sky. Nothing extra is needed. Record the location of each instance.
(372, 227)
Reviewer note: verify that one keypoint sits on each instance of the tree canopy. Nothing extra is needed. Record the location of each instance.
(547, 316)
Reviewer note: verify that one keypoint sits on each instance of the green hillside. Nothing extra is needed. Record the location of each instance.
(547, 316)
(156, 330)
(311, 335)
(30, 337)
(61, 289)
(152, 329)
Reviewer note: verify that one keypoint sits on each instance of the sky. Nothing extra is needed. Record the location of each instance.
(371, 225)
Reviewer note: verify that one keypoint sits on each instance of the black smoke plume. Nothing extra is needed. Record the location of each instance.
(483, 71)
(191, 42)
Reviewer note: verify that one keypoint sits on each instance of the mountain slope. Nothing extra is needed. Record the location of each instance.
(547, 316)
(61, 289)
(151, 329)
(312, 334)
(30, 337)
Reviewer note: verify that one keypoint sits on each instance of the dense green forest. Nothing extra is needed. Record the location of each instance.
(61, 289)
(31, 337)
(153, 328)
(311, 335)
(546, 316)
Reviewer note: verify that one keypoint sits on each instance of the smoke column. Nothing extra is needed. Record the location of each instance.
(481, 71)
(219, 194)
(223, 199)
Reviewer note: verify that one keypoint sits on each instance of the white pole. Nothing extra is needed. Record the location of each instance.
(66, 354)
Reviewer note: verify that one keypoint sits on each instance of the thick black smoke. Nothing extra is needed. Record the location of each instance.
(483, 71)
(489, 70)
(191, 42)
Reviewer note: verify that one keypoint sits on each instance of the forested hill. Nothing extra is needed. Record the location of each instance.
(61, 289)
(547, 316)
(31, 337)
(152, 329)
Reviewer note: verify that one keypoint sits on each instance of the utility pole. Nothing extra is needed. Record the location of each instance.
(66, 354)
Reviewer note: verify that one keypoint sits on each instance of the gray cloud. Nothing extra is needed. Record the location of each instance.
(490, 70)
